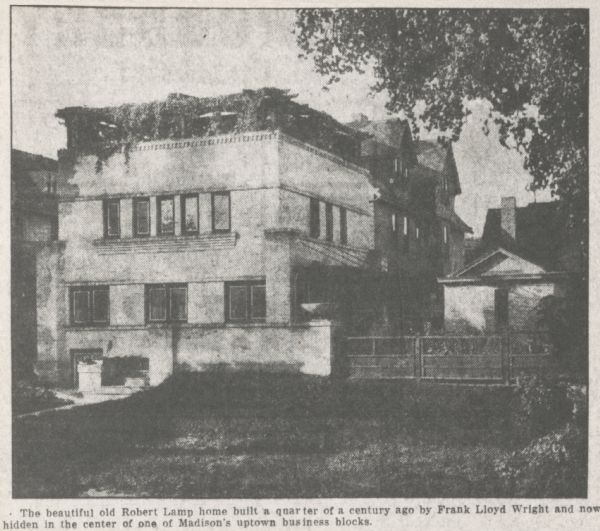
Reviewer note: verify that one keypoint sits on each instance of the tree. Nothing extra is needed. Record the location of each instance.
(531, 65)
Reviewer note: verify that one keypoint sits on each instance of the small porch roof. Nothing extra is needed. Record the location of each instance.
(491, 268)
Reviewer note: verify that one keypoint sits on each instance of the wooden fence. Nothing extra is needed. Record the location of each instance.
(497, 358)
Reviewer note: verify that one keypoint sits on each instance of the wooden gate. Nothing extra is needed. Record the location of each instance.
(496, 358)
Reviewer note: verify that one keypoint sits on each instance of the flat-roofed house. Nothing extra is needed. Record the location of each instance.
(190, 231)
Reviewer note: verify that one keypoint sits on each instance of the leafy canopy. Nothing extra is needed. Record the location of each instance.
(531, 65)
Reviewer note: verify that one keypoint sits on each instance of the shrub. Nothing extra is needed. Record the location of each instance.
(539, 405)
(555, 464)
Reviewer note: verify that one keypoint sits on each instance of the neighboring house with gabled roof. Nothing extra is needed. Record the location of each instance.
(525, 255)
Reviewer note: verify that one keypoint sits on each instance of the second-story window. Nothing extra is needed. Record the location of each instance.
(329, 222)
(221, 212)
(314, 218)
(165, 212)
(417, 232)
(395, 222)
(189, 214)
(445, 234)
(343, 226)
(141, 217)
(112, 218)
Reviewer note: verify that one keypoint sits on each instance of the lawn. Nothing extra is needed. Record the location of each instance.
(237, 435)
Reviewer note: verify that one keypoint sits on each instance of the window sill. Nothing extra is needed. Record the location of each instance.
(161, 243)
(88, 326)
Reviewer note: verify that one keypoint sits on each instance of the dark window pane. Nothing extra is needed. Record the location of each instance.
(220, 212)
(343, 226)
(100, 305)
(81, 306)
(315, 221)
(258, 302)
(238, 302)
(112, 219)
(141, 217)
(329, 221)
(179, 304)
(166, 216)
(190, 214)
(157, 304)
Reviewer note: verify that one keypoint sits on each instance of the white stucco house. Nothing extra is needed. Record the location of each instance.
(499, 291)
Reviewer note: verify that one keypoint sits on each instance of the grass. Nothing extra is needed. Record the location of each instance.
(248, 435)
(28, 397)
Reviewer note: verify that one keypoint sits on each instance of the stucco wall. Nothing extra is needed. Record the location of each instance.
(471, 307)
(308, 171)
(304, 348)
(222, 162)
(52, 363)
(167, 259)
(294, 213)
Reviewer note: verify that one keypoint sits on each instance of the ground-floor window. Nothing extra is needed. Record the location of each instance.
(245, 301)
(166, 303)
(89, 305)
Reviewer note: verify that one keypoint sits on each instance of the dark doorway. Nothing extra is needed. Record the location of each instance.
(501, 308)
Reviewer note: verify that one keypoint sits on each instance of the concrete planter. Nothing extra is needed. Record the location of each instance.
(90, 375)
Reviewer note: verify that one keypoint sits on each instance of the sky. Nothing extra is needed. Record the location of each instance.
(64, 57)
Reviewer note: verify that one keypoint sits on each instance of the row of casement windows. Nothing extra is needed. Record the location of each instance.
(401, 170)
(315, 221)
(245, 301)
(404, 222)
(165, 214)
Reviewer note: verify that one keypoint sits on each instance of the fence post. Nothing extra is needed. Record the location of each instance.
(420, 350)
(417, 368)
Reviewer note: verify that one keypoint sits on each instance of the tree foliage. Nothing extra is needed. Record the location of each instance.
(531, 65)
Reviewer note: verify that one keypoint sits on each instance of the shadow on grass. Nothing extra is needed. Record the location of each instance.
(263, 420)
